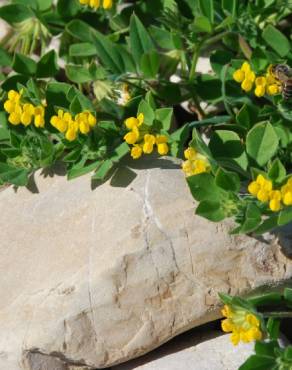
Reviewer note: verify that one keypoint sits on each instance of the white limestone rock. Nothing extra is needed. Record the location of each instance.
(214, 354)
(94, 278)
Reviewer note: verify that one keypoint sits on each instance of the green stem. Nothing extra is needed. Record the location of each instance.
(223, 89)
(279, 315)
(194, 62)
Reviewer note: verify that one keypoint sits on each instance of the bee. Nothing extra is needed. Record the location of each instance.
(283, 74)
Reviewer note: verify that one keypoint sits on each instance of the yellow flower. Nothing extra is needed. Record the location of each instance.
(107, 4)
(23, 112)
(14, 96)
(287, 199)
(39, 121)
(14, 118)
(239, 75)
(254, 188)
(190, 153)
(260, 91)
(161, 142)
(84, 127)
(94, 3)
(263, 195)
(71, 134)
(245, 67)
(136, 152)
(261, 81)
(162, 148)
(9, 106)
(246, 85)
(201, 166)
(195, 164)
(91, 120)
(132, 136)
(275, 205)
(244, 325)
(273, 89)
(134, 122)
(149, 141)
(26, 118)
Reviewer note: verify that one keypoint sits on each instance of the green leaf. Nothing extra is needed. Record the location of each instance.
(150, 64)
(211, 210)
(148, 112)
(262, 143)
(276, 40)
(229, 7)
(11, 82)
(273, 327)
(256, 362)
(203, 187)
(164, 115)
(252, 219)
(78, 73)
(202, 24)
(24, 65)
(267, 225)
(266, 348)
(77, 171)
(227, 180)
(141, 42)
(83, 49)
(162, 37)
(265, 298)
(285, 216)
(13, 175)
(15, 13)
(277, 171)
(68, 8)
(259, 60)
(47, 66)
(226, 145)
(219, 59)
(56, 94)
(81, 31)
(247, 116)
(207, 9)
(5, 58)
(103, 170)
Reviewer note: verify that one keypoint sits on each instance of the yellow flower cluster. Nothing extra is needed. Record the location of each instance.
(195, 163)
(263, 84)
(263, 190)
(243, 324)
(106, 4)
(23, 113)
(142, 141)
(65, 123)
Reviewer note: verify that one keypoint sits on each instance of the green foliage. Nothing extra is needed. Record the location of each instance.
(120, 62)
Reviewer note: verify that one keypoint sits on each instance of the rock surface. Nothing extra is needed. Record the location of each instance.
(214, 354)
(94, 278)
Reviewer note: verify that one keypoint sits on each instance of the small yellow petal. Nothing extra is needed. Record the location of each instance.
(136, 152)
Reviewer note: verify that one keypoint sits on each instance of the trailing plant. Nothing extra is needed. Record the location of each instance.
(259, 318)
(87, 83)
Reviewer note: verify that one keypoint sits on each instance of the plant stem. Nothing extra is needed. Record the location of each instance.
(287, 314)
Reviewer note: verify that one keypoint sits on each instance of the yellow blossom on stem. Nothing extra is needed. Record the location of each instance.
(149, 141)
(132, 136)
(195, 163)
(23, 113)
(243, 324)
(64, 122)
(136, 152)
